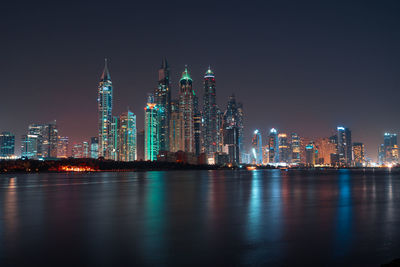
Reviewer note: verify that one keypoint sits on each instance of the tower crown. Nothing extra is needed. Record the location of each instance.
(105, 76)
(209, 73)
(185, 75)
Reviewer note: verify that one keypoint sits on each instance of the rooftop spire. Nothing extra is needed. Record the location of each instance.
(106, 73)
(185, 74)
(164, 63)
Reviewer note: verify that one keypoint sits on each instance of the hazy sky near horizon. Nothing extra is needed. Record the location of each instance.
(303, 66)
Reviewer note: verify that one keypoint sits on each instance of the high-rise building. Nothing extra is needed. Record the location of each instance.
(187, 110)
(176, 128)
(105, 119)
(256, 148)
(344, 146)
(29, 146)
(7, 145)
(359, 154)
(62, 147)
(284, 148)
(231, 131)
(381, 154)
(273, 146)
(311, 154)
(94, 147)
(127, 137)
(325, 151)
(77, 151)
(163, 101)
(151, 134)
(113, 140)
(210, 113)
(47, 139)
(295, 143)
(390, 148)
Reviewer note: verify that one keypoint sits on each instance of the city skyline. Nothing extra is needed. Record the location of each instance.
(171, 96)
(342, 70)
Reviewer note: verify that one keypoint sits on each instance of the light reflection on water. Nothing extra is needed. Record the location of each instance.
(203, 217)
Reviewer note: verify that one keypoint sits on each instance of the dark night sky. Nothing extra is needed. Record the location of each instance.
(295, 65)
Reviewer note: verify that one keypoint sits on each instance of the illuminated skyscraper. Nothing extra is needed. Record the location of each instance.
(197, 121)
(311, 155)
(47, 139)
(326, 150)
(210, 124)
(284, 148)
(29, 146)
(163, 101)
(151, 135)
(105, 119)
(390, 148)
(256, 148)
(273, 146)
(187, 110)
(359, 154)
(94, 147)
(7, 145)
(127, 137)
(344, 146)
(295, 143)
(62, 147)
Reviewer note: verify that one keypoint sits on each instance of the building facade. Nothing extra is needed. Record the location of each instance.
(210, 109)
(7, 145)
(151, 128)
(187, 111)
(105, 118)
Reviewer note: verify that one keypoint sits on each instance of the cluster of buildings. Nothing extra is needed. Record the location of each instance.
(175, 129)
(338, 150)
(192, 130)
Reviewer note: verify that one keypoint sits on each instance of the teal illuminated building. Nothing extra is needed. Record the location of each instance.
(127, 137)
(7, 145)
(151, 130)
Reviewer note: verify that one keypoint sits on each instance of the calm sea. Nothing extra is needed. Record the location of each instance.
(207, 218)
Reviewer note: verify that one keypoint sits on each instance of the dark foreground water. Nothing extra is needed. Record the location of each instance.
(266, 217)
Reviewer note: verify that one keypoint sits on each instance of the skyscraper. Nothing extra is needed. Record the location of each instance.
(151, 128)
(105, 98)
(29, 146)
(231, 130)
(7, 145)
(325, 151)
(163, 101)
(113, 139)
(295, 143)
(94, 147)
(176, 128)
(127, 137)
(344, 146)
(359, 154)
(273, 146)
(187, 111)
(284, 148)
(210, 124)
(256, 148)
(47, 139)
(62, 147)
(390, 148)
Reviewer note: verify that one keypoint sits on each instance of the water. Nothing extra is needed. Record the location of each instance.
(265, 217)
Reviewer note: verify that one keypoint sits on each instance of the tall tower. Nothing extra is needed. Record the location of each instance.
(231, 130)
(127, 136)
(187, 109)
(344, 146)
(273, 146)
(210, 128)
(163, 101)
(104, 99)
(256, 148)
(151, 128)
